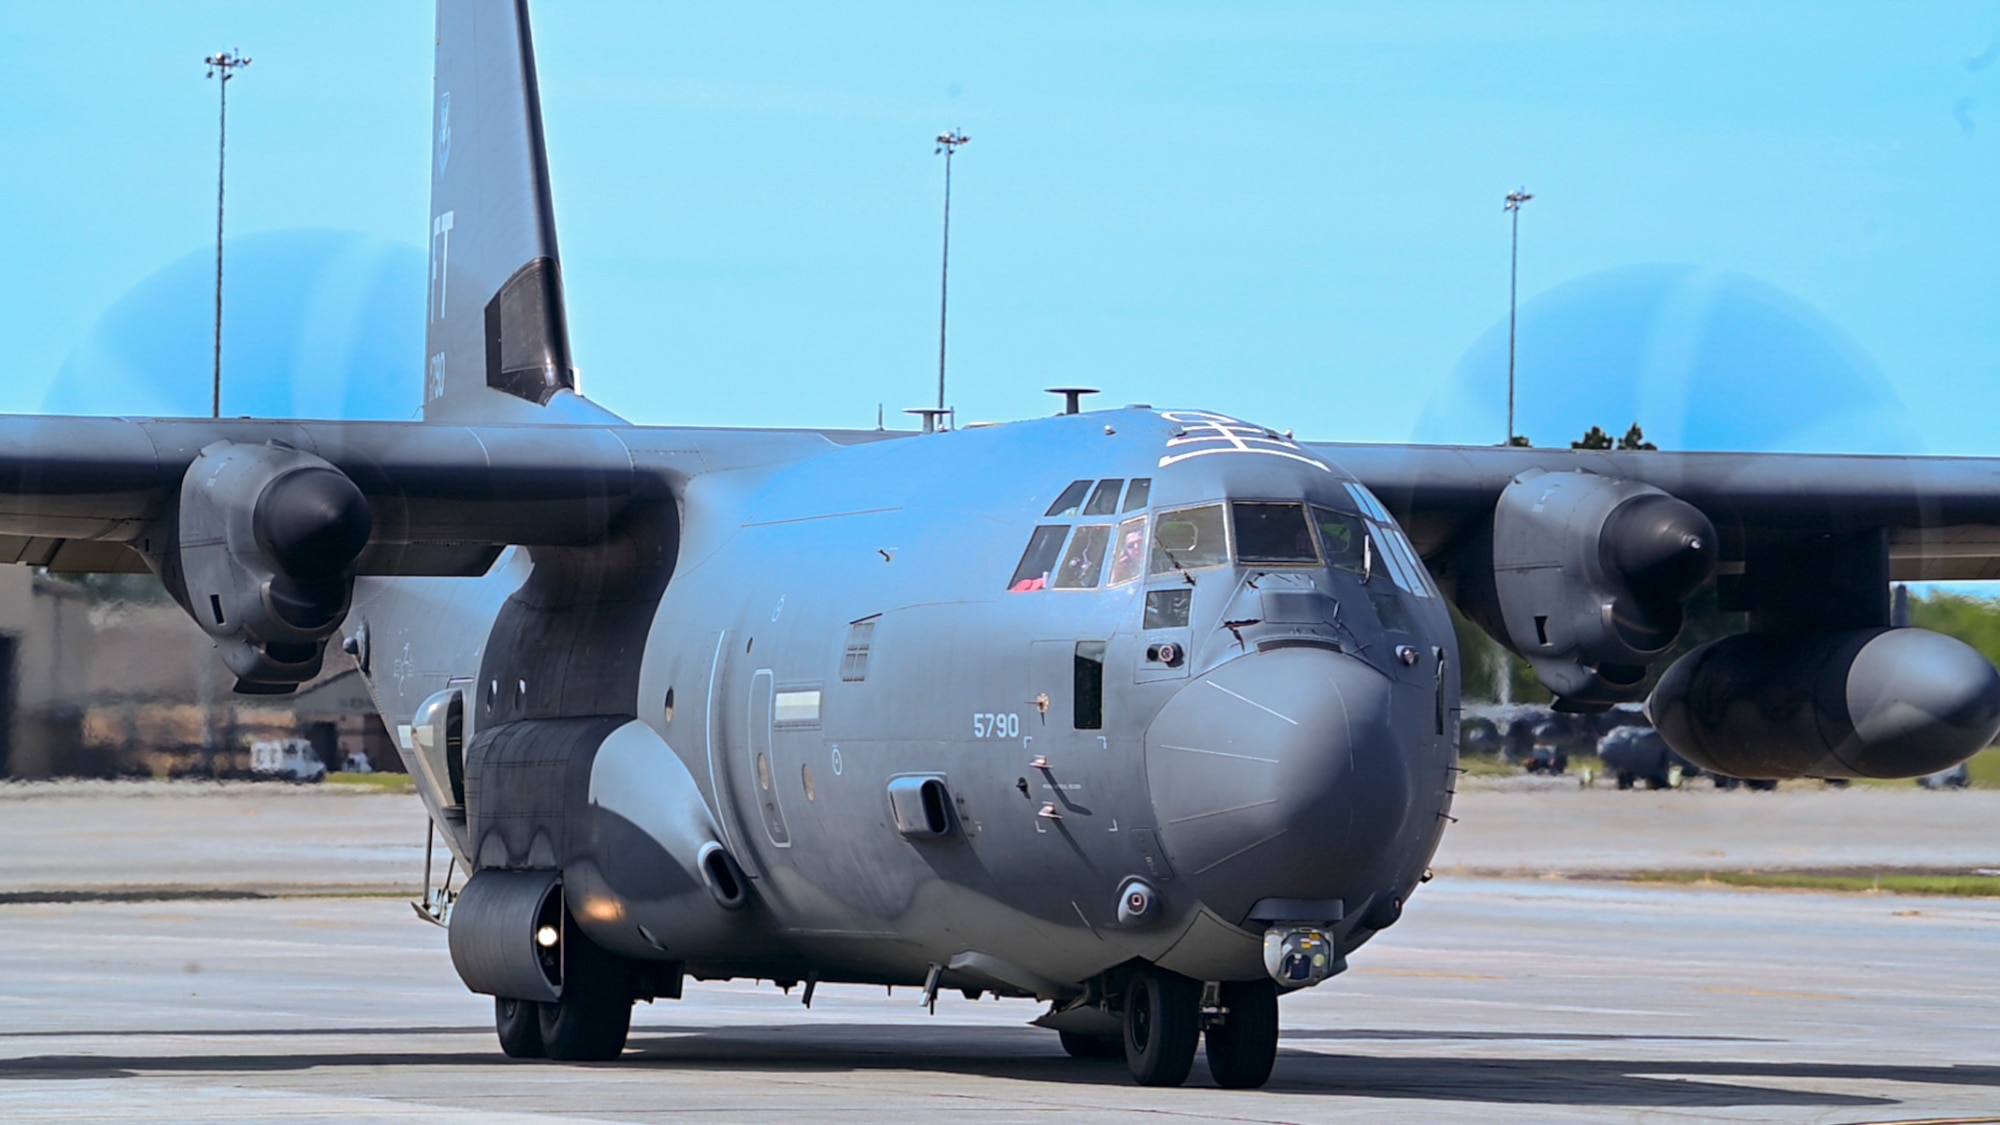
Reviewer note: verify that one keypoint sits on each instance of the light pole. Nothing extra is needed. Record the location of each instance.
(223, 63)
(947, 143)
(1514, 200)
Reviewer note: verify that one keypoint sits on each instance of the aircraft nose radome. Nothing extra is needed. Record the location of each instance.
(1278, 775)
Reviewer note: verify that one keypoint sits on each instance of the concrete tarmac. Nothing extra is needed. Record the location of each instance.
(1537, 999)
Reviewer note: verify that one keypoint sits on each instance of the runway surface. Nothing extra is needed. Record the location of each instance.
(1532, 999)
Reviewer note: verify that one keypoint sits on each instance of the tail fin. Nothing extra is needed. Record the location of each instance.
(496, 337)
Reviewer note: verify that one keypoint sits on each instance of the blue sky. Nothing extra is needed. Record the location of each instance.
(1287, 212)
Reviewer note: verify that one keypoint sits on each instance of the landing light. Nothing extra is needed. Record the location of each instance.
(546, 937)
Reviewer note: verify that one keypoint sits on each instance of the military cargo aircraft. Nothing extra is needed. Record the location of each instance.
(1148, 713)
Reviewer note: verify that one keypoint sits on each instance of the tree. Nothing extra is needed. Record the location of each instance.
(1974, 620)
(1520, 440)
(1593, 438)
(1634, 439)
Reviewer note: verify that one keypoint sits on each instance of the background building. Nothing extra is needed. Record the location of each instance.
(106, 677)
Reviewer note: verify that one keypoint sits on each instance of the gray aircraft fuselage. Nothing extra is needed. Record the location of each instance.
(1235, 683)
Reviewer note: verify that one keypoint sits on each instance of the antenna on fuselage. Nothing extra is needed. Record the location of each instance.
(1072, 397)
(932, 416)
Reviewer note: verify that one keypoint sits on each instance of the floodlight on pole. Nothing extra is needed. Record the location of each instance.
(947, 143)
(224, 63)
(1514, 200)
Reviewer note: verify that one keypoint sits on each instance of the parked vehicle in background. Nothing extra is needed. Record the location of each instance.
(1638, 753)
(1957, 777)
(291, 759)
(1538, 738)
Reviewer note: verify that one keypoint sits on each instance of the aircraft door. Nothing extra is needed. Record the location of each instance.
(727, 778)
(1066, 694)
(763, 770)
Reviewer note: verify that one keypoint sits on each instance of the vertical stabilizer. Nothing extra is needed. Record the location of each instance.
(496, 337)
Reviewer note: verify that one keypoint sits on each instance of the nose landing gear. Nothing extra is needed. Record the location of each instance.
(1165, 1018)
(1162, 1023)
(1242, 1040)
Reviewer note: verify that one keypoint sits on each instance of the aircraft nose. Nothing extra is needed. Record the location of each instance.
(1279, 775)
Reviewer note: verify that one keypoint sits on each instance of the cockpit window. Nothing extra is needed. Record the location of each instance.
(1273, 533)
(1129, 555)
(1378, 545)
(1104, 502)
(1083, 565)
(1404, 566)
(1344, 538)
(1044, 547)
(1140, 491)
(1189, 538)
(1071, 499)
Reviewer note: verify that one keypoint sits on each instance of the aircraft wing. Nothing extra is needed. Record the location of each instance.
(91, 494)
(1940, 515)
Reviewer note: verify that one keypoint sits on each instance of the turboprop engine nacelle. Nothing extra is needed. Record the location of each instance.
(265, 551)
(1589, 574)
(1873, 703)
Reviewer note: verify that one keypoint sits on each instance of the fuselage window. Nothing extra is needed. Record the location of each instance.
(1089, 685)
(1104, 502)
(1044, 548)
(1273, 533)
(1168, 609)
(1129, 556)
(1344, 538)
(1188, 539)
(1071, 499)
(1083, 565)
(1136, 494)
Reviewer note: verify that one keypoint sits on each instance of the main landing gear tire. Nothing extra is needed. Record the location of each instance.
(1242, 1048)
(594, 1016)
(1081, 1046)
(519, 1023)
(1162, 1025)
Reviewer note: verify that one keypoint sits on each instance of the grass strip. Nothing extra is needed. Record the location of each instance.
(385, 782)
(1960, 884)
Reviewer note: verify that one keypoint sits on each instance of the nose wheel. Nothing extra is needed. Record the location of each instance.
(1243, 1044)
(1163, 1024)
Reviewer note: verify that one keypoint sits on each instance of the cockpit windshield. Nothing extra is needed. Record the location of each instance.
(1188, 539)
(1273, 533)
(1089, 556)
